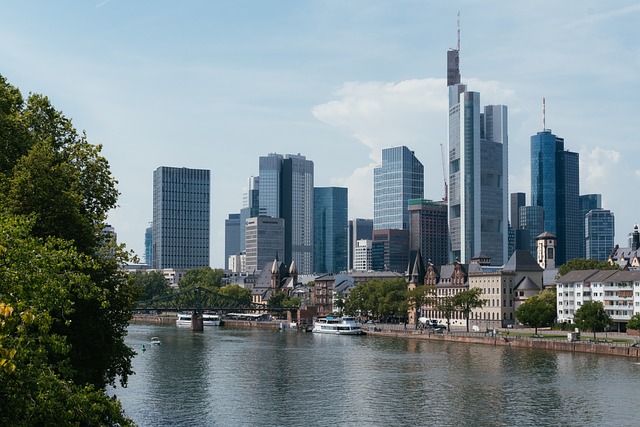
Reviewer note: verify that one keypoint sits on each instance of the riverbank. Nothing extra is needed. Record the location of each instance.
(609, 348)
(513, 340)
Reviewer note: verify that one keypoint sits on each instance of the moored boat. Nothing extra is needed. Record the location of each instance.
(337, 326)
(208, 319)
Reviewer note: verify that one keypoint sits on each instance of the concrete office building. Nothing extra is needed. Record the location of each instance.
(264, 241)
(250, 206)
(359, 229)
(181, 212)
(428, 231)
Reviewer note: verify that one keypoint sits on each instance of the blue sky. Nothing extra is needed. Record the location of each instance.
(216, 84)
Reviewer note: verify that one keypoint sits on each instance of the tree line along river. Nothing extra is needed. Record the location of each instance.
(246, 376)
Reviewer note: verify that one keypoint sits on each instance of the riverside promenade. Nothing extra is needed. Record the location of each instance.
(549, 340)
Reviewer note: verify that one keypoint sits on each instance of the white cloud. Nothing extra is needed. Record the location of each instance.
(597, 167)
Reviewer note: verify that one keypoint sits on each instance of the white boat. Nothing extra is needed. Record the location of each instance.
(155, 341)
(337, 326)
(184, 319)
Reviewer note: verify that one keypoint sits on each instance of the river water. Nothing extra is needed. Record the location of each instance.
(245, 377)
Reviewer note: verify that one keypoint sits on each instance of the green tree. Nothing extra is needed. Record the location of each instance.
(205, 277)
(53, 175)
(151, 284)
(466, 301)
(537, 311)
(446, 306)
(592, 316)
(379, 298)
(419, 297)
(237, 292)
(634, 322)
(41, 282)
(585, 264)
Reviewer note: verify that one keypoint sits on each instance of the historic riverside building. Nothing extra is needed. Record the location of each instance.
(503, 288)
(181, 212)
(286, 191)
(555, 186)
(330, 222)
(478, 173)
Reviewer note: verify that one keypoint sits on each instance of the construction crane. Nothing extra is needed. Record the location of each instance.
(444, 176)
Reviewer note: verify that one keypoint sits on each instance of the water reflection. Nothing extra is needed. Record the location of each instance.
(229, 377)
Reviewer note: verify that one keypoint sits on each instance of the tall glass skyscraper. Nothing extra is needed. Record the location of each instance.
(231, 237)
(478, 173)
(286, 191)
(397, 180)
(330, 221)
(555, 186)
(588, 202)
(181, 210)
(599, 234)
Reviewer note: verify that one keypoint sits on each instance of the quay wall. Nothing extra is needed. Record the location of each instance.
(609, 349)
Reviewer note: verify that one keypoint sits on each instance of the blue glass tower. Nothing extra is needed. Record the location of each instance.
(599, 234)
(555, 186)
(181, 211)
(330, 223)
(231, 237)
(397, 180)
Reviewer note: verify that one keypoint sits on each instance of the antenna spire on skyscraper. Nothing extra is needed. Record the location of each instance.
(458, 48)
(544, 126)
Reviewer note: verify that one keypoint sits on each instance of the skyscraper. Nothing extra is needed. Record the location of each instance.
(286, 191)
(478, 217)
(588, 202)
(250, 206)
(231, 237)
(599, 234)
(181, 210)
(555, 186)
(359, 229)
(330, 229)
(429, 232)
(148, 245)
(398, 179)
(265, 241)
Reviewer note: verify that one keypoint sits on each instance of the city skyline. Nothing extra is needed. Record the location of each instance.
(214, 86)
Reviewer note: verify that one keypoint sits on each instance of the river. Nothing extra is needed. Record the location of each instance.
(244, 377)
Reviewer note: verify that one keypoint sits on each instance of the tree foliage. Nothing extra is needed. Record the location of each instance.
(205, 277)
(150, 284)
(56, 190)
(379, 298)
(585, 264)
(591, 316)
(539, 310)
(237, 292)
(41, 282)
(634, 322)
(466, 301)
(420, 296)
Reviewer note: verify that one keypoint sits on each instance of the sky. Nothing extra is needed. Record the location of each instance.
(217, 84)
